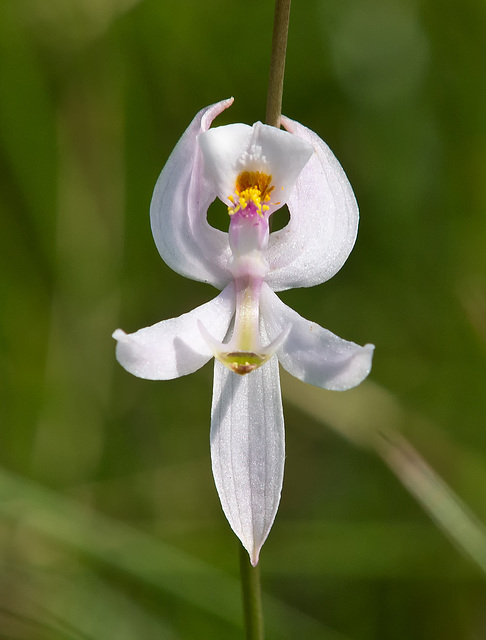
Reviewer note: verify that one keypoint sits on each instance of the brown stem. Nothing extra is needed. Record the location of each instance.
(277, 62)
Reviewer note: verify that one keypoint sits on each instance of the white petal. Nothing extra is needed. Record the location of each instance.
(234, 148)
(248, 450)
(178, 211)
(311, 353)
(286, 154)
(222, 149)
(323, 221)
(175, 347)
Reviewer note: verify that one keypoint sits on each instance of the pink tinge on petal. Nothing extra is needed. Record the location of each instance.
(323, 220)
(178, 211)
(248, 231)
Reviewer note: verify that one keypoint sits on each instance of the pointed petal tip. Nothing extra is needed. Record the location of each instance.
(224, 104)
(211, 112)
(214, 345)
(253, 552)
(119, 334)
(254, 557)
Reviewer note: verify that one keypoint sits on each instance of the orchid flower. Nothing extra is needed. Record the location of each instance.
(254, 170)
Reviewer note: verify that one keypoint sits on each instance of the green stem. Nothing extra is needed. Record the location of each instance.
(277, 62)
(252, 600)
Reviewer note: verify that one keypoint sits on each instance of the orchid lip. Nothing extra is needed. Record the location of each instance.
(243, 361)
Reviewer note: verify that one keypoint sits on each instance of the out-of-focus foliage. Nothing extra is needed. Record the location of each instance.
(110, 525)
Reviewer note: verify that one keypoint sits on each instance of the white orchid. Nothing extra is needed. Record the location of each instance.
(247, 328)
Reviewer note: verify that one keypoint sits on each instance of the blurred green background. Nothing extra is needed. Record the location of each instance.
(110, 526)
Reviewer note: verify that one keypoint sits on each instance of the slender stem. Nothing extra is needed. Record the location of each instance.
(252, 599)
(277, 62)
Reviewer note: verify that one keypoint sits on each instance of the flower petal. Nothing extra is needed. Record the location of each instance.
(311, 353)
(175, 347)
(178, 211)
(222, 149)
(323, 221)
(234, 148)
(248, 450)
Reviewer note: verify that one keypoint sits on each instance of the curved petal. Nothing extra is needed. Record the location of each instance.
(222, 149)
(175, 347)
(323, 221)
(311, 353)
(178, 211)
(234, 148)
(248, 450)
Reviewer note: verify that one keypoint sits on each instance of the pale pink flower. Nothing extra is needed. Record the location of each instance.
(247, 328)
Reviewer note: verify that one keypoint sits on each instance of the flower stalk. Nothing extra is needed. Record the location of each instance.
(252, 601)
(277, 62)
